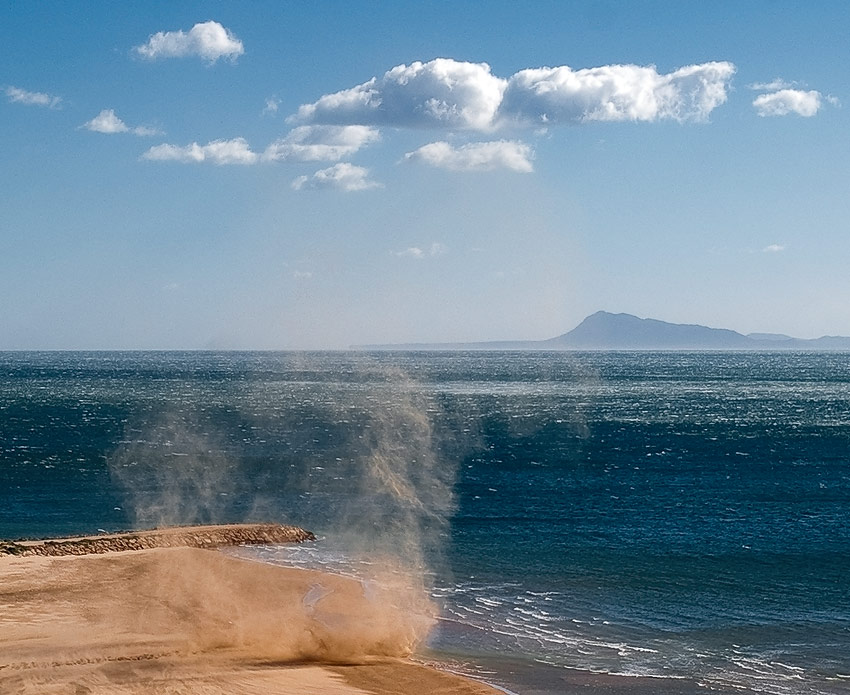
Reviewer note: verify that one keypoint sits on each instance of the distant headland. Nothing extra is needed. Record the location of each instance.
(606, 331)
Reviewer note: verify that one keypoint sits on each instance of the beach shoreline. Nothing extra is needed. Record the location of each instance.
(194, 621)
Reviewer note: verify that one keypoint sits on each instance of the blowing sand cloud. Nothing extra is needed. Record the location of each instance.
(208, 40)
(107, 122)
(16, 95)
(476, 156)
(449, 94)
(787, 101)
(343, 176)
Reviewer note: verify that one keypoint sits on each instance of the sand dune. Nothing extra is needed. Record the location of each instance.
(183, 620)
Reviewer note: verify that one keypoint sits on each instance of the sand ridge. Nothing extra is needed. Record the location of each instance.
(211, 536)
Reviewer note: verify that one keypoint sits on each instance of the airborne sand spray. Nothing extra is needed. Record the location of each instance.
(172, 473)
(368, 458)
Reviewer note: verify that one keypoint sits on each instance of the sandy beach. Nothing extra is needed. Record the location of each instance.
(174, 620)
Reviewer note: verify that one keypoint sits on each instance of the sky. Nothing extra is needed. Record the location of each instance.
(293, 175)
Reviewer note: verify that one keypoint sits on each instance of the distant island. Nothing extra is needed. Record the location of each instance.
(606, 331)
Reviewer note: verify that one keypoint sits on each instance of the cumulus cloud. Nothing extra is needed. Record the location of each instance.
(785, 101)
(343, 176)
(450, 94)
(17, 95)
(235, 151)
(442, 93)
(418, 252)
(321, 143)
(476, 156)
(773, 248)
(107, 122)
(615, 93)
(208, 40)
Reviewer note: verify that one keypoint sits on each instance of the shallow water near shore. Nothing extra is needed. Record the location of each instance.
(675, 516)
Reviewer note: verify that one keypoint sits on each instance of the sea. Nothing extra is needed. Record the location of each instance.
(653, 522)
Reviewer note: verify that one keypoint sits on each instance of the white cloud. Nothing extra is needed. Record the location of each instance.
(615, 93)
(476, 156)
(220, 152)
(304, 144)
(450, 94)
(787, 101)
(302, 275)
(209, 40)
(436, 249)
(773, 248)
(107, 122)
(22, 96)
(271, 107)
(442, 93)
(343, 176)
(772, 86)
(412, 252)
(145, 131)
(321, 143)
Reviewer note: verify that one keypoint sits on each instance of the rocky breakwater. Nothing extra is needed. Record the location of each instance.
(183, 536)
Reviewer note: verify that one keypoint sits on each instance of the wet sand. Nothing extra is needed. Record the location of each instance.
(183, 620)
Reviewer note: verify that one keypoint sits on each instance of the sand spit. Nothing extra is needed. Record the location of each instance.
(178, 537)
(186, 621)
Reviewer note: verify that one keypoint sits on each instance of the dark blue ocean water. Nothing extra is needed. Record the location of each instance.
(649, 514)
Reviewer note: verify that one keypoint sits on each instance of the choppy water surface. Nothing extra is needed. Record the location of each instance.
(649, 514)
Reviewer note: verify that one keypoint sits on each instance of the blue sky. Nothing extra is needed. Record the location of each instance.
(314, 175)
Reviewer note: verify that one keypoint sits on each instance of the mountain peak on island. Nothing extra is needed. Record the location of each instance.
(606, 331)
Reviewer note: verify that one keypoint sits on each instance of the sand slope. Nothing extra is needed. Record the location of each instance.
(183, 620)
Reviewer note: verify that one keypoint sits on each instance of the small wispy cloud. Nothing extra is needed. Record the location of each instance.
(16, 95)
(302, 144)
(476, 156)
(271, 107)
(107, 122)
(418, 252)
(207, 40)
(343, 176)
(321, 143)
(302, 274)
(220, 152)
(787, 101)
(774, 85)
(773, 248)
